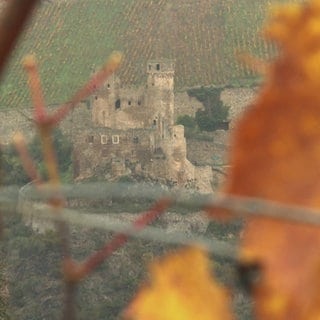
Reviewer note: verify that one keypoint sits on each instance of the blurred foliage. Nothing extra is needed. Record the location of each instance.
(214, 113)
(187, 121)
(13, 172)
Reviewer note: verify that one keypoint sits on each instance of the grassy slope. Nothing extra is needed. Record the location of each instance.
(34, 271)
(71, 38)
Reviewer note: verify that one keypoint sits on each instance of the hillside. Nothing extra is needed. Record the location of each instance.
(71, 38)
(33, 274)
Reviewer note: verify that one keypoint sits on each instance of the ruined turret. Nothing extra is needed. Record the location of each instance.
(160, 94)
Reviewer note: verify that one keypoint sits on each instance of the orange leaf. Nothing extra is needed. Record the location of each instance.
(276, 156)
(181, 288)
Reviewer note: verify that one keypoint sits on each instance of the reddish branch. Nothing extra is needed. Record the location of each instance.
(95, 82)
(74, 272)
(34, 82)
(41, 117)
(45, 124)
(12, 23)
(27, 162)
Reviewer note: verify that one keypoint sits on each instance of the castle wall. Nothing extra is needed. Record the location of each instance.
(180, 168)
(206, 152)
(120, 108)
(203, 179)
(214, 152)
(98, 150)
(238, 99)
(107, 153)
(144, 107)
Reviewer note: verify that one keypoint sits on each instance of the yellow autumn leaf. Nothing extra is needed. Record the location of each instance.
(181, 288)
(276, 156)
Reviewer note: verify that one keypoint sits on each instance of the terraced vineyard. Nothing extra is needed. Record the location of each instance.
(71, 38)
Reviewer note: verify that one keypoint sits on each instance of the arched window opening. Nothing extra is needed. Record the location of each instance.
(117, 104)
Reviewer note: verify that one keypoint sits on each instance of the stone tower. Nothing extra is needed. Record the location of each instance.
(160, 95)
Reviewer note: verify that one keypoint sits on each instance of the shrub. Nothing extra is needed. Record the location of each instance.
(187, 121)
(214, 111)
(13, 172)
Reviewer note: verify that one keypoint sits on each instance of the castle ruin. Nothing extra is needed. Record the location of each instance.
(133, 133)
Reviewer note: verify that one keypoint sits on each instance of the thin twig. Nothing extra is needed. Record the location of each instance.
(107, 223)
(69, 307)
(248, 207)
(240, 206)
(75, 273)
(94, 83)
(40, 115)
(45, 130)
(27, 162)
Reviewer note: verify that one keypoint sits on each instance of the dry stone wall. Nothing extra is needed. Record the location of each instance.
(238, 99)
(104, 151)
(214, 152)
